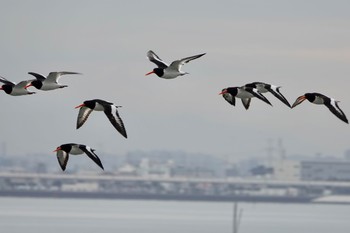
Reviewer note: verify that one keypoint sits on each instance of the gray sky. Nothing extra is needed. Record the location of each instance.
(302, 46)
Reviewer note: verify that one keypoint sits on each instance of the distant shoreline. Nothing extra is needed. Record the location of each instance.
(163, 197)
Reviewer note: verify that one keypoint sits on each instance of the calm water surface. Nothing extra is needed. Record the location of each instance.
(34, 215)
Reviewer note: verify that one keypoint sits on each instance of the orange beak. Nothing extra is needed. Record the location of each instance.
(152, 72)
(299, 100)
(79, 106)
(223, 92)
(57, 149)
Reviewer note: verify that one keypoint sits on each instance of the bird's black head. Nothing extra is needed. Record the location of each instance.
(310, 96)
(158, 71)
(231, 90)
(7, 88)
(90, 103)
(65, 147)
(37, 84)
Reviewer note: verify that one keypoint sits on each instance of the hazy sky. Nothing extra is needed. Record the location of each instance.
(303, 46)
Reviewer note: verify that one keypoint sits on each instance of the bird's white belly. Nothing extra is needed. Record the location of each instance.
(49, 86)
(76, 151)
(170, 74)
(19, 91)
(318, 100)
(99, 107)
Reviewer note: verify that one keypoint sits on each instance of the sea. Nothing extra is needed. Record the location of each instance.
(57, 215)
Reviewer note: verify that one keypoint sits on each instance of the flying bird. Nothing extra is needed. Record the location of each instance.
(169, 71)
(14, 89)
(330, 103)
(50, 82)
(265, 87)
(64, 150)
(100, 105)
(244, 93)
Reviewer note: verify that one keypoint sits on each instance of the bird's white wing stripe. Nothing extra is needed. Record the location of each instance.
(155, 59)
(334, 103)
(116, 116)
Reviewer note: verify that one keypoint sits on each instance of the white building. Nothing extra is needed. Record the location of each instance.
(286, 170)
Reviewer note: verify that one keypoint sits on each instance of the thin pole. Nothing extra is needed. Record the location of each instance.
(234, 225)
(236, 217)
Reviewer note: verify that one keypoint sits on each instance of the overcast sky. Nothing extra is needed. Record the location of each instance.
(303, 46)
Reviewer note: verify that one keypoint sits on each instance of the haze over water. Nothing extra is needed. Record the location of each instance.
(36, 215)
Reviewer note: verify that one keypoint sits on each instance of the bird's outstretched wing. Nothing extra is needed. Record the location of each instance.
(62, 158)
(334, 108)
(246, 102)
(229, 98)
(91, 154)
(257, 94)
(55, 76)
(115, 119)
(156, 60)
(5, 81)
(179, 63)
(276, 92)
(39, 77)
(83, 115)
(23, 84)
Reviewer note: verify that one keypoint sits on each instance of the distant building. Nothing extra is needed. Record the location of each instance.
(127, 170)
(198, 172)
(153, 168)
(177, 163)
(286, 170)
(312, 170)
(325, 171)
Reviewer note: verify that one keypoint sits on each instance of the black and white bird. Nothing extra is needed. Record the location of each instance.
(108, 108)
(64, 150)
(14, 89)
(169, 71)
(330, 103)
(244, 93)
(265, 87)
(50, 82)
